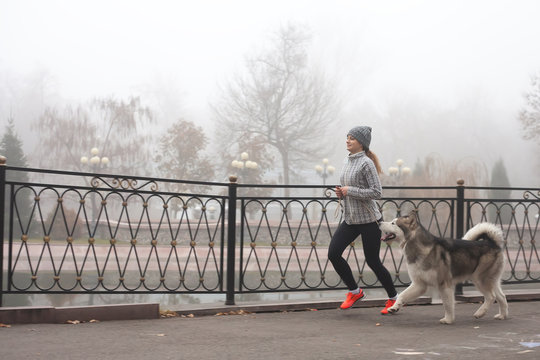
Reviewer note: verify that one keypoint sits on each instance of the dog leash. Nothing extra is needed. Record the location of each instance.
(339, 209)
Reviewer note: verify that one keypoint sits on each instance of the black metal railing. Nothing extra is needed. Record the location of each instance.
(85, 233)
(287, 250)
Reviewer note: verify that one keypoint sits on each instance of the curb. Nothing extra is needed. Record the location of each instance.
(286, 306)
(59, 315)
(511, 295)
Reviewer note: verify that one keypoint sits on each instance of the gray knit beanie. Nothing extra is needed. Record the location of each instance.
(362, 134)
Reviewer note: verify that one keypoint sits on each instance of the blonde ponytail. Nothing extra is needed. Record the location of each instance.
(370, 154)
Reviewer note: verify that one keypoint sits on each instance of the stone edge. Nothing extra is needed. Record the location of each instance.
(511, 295)
(287, 306)
(49, 314)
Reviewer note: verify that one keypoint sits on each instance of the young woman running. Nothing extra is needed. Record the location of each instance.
(360, 186)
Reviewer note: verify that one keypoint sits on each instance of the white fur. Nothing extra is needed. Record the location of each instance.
(492, 230)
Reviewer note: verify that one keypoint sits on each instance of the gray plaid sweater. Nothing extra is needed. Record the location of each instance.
(364, 186)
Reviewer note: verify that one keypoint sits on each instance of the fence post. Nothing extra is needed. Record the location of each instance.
(2, 216)
(231, 240)
(460, 219)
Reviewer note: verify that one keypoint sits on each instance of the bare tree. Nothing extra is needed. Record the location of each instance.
(438, 171)
(529, 116)
(119, 129)
(180, 153)
(435, 170)
(180, 156)
(281, 100)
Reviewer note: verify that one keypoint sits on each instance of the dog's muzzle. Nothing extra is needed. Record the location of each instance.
(388, 236)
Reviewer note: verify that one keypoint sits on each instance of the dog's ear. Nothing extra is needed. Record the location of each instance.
(413, 216)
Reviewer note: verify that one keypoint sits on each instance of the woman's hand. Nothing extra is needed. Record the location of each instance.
(341, 191)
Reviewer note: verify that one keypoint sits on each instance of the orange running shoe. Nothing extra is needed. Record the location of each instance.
(389, 303)
(351, 299)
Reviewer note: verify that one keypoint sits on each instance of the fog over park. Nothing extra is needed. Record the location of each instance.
(438, 79)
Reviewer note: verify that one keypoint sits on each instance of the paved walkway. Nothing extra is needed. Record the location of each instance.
(358, 333)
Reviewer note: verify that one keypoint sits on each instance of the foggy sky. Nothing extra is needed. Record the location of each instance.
(428, 76)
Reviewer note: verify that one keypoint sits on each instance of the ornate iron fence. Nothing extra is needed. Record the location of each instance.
(71, 232)
(68, 232)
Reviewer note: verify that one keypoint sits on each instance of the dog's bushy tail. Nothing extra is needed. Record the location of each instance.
(485, 230)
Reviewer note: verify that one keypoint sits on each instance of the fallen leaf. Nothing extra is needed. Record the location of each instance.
(378, 324)
(525, 351)
(167, 313)
(73, 322)
(187, 316)
(160, 334)
(477, 327)
(94, 321)
(5, 325)
(233, 312)
(408, 353)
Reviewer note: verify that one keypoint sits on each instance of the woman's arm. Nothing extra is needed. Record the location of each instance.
(373, 189)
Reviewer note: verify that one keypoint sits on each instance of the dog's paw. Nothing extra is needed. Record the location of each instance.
(446, 321)
(393, 309)
(500, 317)
(479, 314)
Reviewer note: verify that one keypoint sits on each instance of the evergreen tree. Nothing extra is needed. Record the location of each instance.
(11, 148)
(499, 178)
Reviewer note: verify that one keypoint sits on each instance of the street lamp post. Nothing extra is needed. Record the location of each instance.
(212, 210)
(96, 163)
(399, 171)
(244, 163)
(398, 174)
(325, 170)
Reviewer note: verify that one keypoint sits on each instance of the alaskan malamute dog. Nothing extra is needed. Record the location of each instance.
(442, 263)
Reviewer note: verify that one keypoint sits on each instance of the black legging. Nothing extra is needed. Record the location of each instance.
(371, 241)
